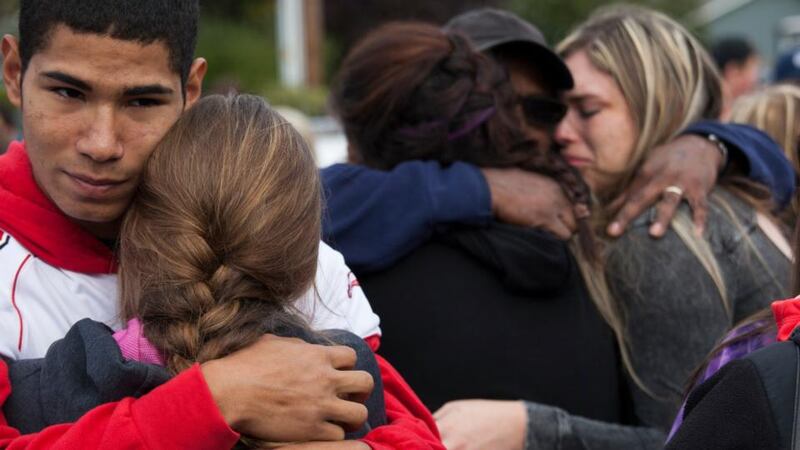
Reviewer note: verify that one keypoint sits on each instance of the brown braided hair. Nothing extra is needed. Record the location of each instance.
(224, 233)
(407, 91)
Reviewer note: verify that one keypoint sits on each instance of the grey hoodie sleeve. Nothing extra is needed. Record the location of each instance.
(553, 428)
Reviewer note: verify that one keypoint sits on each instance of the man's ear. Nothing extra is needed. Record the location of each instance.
(194, 82)
(12, 70)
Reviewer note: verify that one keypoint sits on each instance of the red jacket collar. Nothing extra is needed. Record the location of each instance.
(33, 220)
(787, 316)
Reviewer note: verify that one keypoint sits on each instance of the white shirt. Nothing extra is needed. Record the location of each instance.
(39, 302)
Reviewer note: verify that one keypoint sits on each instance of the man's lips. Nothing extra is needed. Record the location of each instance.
(90, 186)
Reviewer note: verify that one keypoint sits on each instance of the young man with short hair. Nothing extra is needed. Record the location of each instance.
(99, 83)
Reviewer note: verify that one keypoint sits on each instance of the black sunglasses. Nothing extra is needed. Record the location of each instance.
(541, 110)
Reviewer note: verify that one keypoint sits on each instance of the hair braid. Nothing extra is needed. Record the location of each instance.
(224, 234)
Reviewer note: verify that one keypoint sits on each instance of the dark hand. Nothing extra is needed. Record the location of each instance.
(339, 445)
(527, 199)
(286, 390)
(690, 163)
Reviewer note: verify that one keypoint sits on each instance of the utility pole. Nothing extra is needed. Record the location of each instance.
(300, 36)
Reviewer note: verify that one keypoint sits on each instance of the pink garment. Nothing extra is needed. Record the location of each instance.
(135, 346)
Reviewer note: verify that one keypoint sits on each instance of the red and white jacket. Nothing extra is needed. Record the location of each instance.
(53, 273)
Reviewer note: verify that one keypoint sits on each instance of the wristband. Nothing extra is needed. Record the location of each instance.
(723, 150)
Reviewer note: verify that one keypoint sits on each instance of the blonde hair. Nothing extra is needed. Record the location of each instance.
(664, 73)
(224, 233)
(776, 111)
(668, 81)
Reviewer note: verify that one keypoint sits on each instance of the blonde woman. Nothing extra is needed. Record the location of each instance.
(776, 110)
(639, 79)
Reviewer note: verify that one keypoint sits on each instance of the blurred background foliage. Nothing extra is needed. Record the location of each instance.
(238, 37)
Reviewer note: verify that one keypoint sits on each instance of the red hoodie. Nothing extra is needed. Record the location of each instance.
(787, 316)
(181, 413)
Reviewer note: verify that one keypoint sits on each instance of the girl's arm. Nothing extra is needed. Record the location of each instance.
(178, 414)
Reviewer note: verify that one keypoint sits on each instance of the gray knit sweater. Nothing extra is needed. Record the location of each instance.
(674, 317)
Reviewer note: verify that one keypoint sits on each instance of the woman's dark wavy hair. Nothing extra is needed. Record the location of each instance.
(410, 91)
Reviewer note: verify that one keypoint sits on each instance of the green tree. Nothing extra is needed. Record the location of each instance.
(557, 17)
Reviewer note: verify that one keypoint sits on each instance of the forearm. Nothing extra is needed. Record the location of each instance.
(553, 428)
(179, 414)
(759, 157)
(375, 217)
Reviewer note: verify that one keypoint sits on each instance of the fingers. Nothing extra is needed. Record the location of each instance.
(341, 357)
(443, 411)
(561, 221)
(665, 210)
(450, 438)
(355, 385)
(327, 431)
(699, 205)
(560, 229)
(637, 200)
(349, 415)
(339, 445)
(567, 218)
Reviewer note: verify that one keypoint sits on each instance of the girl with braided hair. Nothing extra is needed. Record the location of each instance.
(220, 246)
(477, 312)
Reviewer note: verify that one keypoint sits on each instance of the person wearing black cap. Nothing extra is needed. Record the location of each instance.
(398, 209)
(496, 30)
(463, 193)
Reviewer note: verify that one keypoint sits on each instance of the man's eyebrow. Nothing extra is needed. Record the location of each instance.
(150, 89)
(68, 79)
(580, 97)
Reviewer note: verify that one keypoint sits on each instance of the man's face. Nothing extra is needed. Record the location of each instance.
(526, 83)
(93, 109)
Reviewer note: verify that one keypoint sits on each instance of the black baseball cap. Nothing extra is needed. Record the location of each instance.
(489, 28)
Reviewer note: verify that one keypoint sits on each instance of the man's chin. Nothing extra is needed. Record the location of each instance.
(103, 225)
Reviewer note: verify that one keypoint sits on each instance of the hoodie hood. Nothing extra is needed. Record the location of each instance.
(528, 261)
(37, 223)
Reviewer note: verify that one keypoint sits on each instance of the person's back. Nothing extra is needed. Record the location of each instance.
(751, 402)
(497, 312)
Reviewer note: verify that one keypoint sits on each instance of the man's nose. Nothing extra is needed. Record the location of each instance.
(565, 131)
(100, 141)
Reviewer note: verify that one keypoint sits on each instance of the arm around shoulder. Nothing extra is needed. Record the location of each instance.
(178, 414)
(764, 159)
(375, 217)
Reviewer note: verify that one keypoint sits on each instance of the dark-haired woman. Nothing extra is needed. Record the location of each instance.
(495, 312)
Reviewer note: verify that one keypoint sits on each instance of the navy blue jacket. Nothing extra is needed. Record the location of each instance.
(375, 217)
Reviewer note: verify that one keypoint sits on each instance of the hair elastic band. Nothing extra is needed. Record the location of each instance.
(476, 120)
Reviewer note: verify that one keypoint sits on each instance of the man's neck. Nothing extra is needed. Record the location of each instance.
(106, 232)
